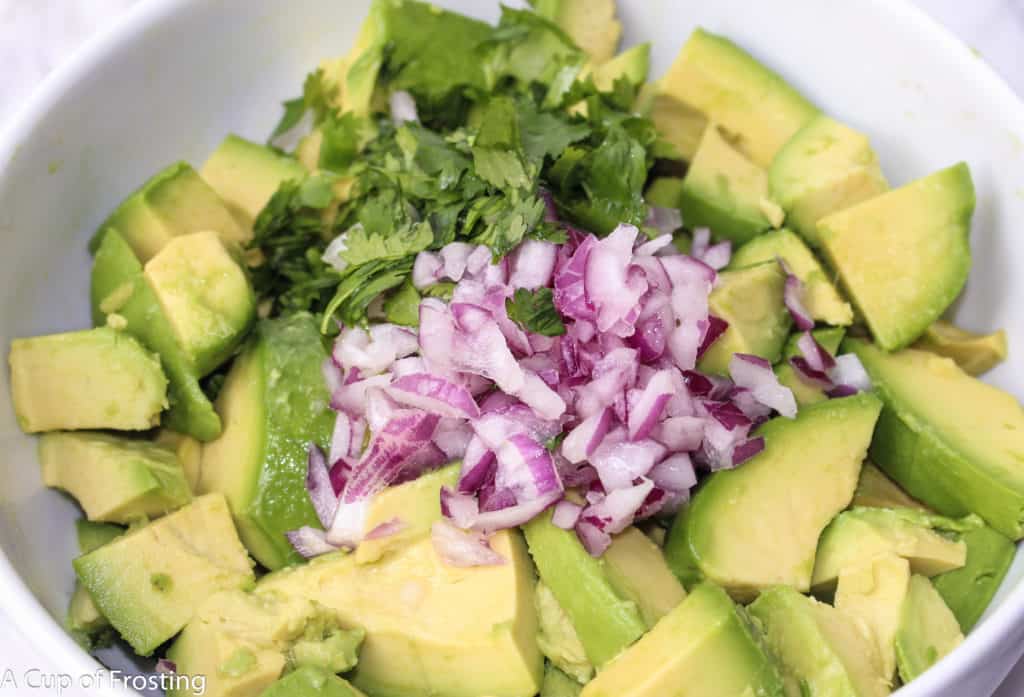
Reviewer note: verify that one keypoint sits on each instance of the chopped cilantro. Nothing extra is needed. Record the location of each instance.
(535, 311)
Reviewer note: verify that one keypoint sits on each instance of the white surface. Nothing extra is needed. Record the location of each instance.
(934, 125)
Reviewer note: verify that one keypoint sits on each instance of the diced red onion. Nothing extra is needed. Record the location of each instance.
(536, 394)
(713, 329)
(526, 468)
(582, 441)
(566, 514)
(390, 527)
(455, 258)
(310, 542)
(718, 255)
(435, 395)
(730, 416)
(403, 107)
(166, 667)
(747, 449)
(809, 375)
(533, 264)
(841, 391)
(849, 371)
(680, 433)
(665, 220)
(352, 398)
(814, 353)
(675, 473)
(755, 374)
(645, 414)
(427, 270)
(461, 548)
(701, 242)
(318, 486)
(654, 246)
(570, 293)
(452, 436)
(374, 351)
(793, 298)
(618, 464)
(341, 470)
(610, 286)
(613, 514)
(333, 376)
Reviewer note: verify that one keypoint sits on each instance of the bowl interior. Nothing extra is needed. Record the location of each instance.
(180, 74)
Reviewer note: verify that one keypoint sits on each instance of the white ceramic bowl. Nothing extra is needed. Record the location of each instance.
(176, 75)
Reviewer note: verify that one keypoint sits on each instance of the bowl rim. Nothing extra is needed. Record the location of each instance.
(49, 638)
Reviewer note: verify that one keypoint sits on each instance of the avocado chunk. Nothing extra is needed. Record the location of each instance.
(969, 590)
(150, 581)
(726, 192)
(903, 257)
(637, 570)
(175, 201)
(591, 24)
(751, 301)
(246, 175)
(189, 452)
(85, 622)
(804, 391)
(664, 192)
(875, 490)
(558, 684)
(824, 168)
(115, 480)
(679, 125)
(557, 638)
(823, 650)
(205, 296)
(243, 642)
(311, 682)
(947, 438)
(861, 534)
(91, 536)
(705, 632)
(820, 296)
(758, 525)
(120, 289)
(975, 353)
(875, 593)
(755, 106)
(928, 630)
(432, 630)
(632, 65)
(414, 506)
(274, 403)
(606, 622)
(97, 378)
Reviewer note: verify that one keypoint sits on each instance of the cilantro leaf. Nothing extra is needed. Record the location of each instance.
(360, 285)
(535, 311)
(546, 135)
(294, 110)
(363, 246)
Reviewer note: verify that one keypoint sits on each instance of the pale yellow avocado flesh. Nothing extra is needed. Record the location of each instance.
(246, 175)
(115, 480)
(149, 582)
(189, 452)
(820, 296)
(859, 535)
(950, 440)
(823, 650)
(825, 167)
(557, 638)
(705, 643)
(637, 570)
(904, 256)
(432, 630)
(928, 630)
(413, 506)
(205, 296)
(758, 525)
(751, 301)
(875, 593)
(92, 379)
(717, 78)
(876, 490)
(242, 642)
(974, 353)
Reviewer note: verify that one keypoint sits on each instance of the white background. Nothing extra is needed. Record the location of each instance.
(36, 35)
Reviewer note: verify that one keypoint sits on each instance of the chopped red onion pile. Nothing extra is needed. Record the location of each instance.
(613, 408)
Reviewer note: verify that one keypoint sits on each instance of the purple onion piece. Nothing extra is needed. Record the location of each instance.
(460, 548)
(815, 354)
(716, 326)
(318, 485)
(310, 542)
(793, 297)
(434, 394)
(566, 514)
(747, 449)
